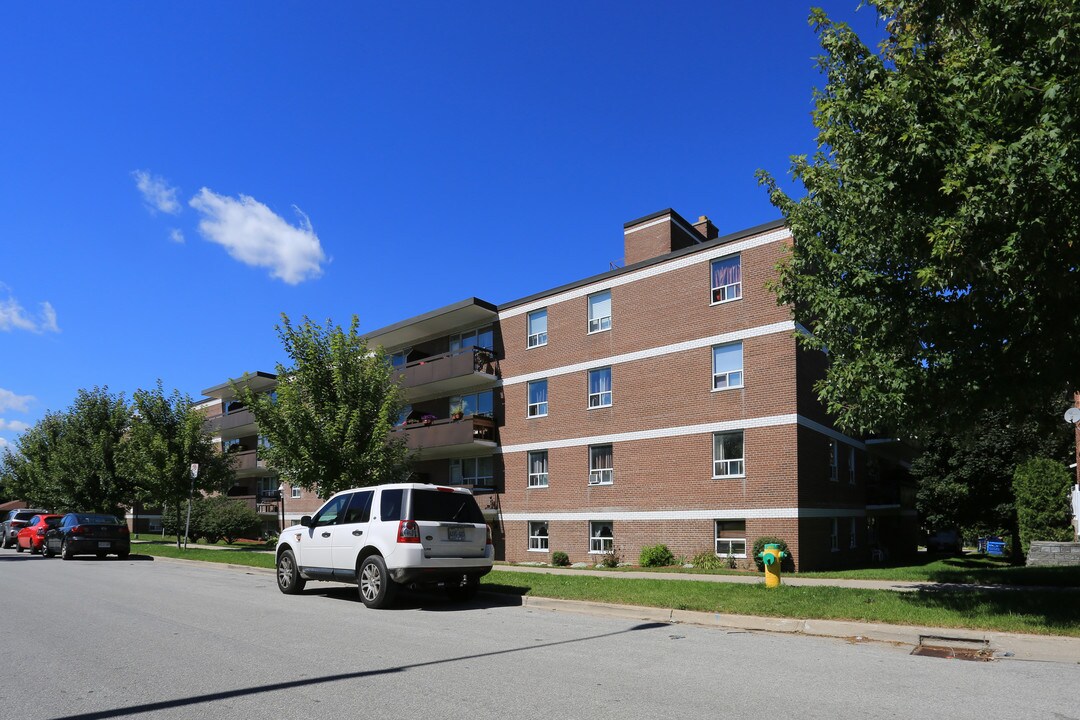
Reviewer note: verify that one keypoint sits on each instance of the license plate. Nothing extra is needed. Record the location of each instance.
(457, 535)
(103, 543)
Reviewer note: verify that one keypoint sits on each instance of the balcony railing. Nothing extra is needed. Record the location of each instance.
(449, 372)
(223, 424)
(247, 462)
(449, 438)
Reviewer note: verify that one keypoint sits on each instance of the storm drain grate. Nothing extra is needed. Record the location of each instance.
(953, 648)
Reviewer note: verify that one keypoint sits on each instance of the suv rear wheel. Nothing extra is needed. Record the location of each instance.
(377, 590)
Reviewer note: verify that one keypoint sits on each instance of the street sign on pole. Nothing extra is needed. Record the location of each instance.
(194, 470)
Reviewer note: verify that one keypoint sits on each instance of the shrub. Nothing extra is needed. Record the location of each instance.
(229, 519)
(655, 556)
(560, 559)
(707, 560)
(611, 558)
(1041, 487)
(759, 545)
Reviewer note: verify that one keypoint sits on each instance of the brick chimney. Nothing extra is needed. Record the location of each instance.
(661, 233)
(705, 228)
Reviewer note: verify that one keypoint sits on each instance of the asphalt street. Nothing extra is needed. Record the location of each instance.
(147, 638)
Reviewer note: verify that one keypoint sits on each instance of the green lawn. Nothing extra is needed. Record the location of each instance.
(1029, 611)
(1046, 612)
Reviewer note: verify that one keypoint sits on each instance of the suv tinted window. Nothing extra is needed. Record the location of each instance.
(390, 505)
(359, 507)
(438, 506)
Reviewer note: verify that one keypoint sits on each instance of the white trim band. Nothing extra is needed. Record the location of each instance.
(790, 513)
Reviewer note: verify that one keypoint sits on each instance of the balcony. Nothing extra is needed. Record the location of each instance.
(248, 463)
(449, 438)
(239, 423)
(449, 373)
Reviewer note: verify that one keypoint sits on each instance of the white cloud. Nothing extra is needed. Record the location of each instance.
(254, 235)
(176, 235)
(5, 444)
(156, 192)
(11, 401)
(13, 425)
(13, 316)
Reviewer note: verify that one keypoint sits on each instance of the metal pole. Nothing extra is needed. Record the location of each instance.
(187, 526)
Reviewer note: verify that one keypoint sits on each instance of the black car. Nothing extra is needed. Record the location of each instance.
(89, 534)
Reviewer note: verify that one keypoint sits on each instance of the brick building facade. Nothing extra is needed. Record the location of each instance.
(662, 402)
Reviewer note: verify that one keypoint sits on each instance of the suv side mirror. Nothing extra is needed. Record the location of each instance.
(306, 521)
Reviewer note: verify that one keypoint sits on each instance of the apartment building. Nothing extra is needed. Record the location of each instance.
(662, 402)
(665, 401)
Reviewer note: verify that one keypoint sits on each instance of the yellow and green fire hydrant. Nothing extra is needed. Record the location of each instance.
(770, 558)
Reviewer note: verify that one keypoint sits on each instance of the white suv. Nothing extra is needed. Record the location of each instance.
(390, 535)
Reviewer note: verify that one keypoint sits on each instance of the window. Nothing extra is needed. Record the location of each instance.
(390, 502)
(538, 537)
(538, 406)
(851, 464)
(473, 404)
(601, 537)
(727, 366)
(478, 471)
(600, 388)
(852, 542)
(601, 465)
(359, 507)
(330, 512)
(726, 279)
(398, 360)
(538, 468)
(481, 337)
(537, 328)
(834, 538)
(731, 538)
(834, 460)
(600, 312)
(295, 491)
(728, 455)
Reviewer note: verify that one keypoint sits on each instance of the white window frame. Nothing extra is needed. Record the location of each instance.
(457, 341)
(735, 292)
(295, 492)
(834, 461)
(536, 339)
(724, 468)
(534, 409)
(600, 545)
(834, 538)
(537, 480)
(602, 476)
(475, 479)
(600, 399)
(718, 541)
(733, 379)
(851, 464)
(598, 324)
(537, 540)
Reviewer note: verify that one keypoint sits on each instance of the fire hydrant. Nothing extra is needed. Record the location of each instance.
(771, 557)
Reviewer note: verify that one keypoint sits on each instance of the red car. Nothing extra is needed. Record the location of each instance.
(32, 537)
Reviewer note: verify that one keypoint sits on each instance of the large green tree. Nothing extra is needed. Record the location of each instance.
(330, 421)
(937, 248)
(166, 437)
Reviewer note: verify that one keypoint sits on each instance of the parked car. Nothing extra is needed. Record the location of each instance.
(88, 534)
(14, 522)
(32, 536)
(947, 540)
(385, 537)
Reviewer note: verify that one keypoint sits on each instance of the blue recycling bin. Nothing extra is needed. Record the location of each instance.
(995, 547)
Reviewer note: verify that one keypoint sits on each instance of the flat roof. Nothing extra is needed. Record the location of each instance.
(441, 321)
(258, 381)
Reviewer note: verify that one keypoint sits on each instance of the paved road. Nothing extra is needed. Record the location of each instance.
(159, 639)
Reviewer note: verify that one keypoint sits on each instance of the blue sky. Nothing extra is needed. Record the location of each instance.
(176, 175)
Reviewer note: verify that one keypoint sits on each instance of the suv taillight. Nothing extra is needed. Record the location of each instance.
(41, 531)
(408, 532)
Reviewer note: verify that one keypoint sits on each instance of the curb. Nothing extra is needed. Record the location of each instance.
(1005, 646)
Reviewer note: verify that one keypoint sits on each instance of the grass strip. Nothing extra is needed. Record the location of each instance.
(232, 556)
(1030, 611)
